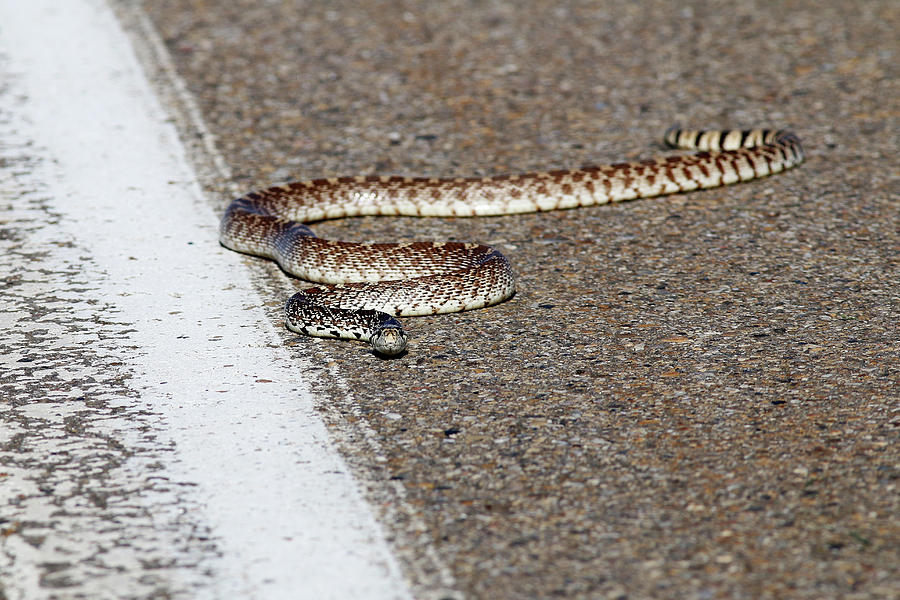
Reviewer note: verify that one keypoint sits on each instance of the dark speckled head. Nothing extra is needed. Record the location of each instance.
(390, 339)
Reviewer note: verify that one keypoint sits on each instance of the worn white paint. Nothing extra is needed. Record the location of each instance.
(284, 511)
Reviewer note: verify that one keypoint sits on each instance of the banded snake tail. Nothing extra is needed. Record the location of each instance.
(363, 286)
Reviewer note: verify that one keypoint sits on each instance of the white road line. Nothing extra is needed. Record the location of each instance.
(286, 514)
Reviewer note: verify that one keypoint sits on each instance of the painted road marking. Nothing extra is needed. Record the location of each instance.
(285, 515)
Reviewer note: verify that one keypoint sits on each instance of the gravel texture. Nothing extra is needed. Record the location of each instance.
(689, 397)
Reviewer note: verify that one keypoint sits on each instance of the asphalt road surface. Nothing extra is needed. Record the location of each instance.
(688, 397)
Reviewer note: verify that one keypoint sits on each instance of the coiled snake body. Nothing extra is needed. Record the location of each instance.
(363, 286)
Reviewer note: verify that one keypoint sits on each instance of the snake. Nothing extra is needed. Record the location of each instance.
(361, 288)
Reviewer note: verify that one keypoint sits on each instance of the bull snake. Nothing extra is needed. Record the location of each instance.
(364, 286)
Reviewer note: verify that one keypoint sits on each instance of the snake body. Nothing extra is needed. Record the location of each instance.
(363, 286)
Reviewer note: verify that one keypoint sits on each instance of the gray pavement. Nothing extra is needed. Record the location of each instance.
(689, 397)
(149, 410)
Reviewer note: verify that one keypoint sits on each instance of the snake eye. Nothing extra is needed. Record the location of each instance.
(390, 340)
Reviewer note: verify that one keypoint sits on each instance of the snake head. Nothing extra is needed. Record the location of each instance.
(390, 339)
